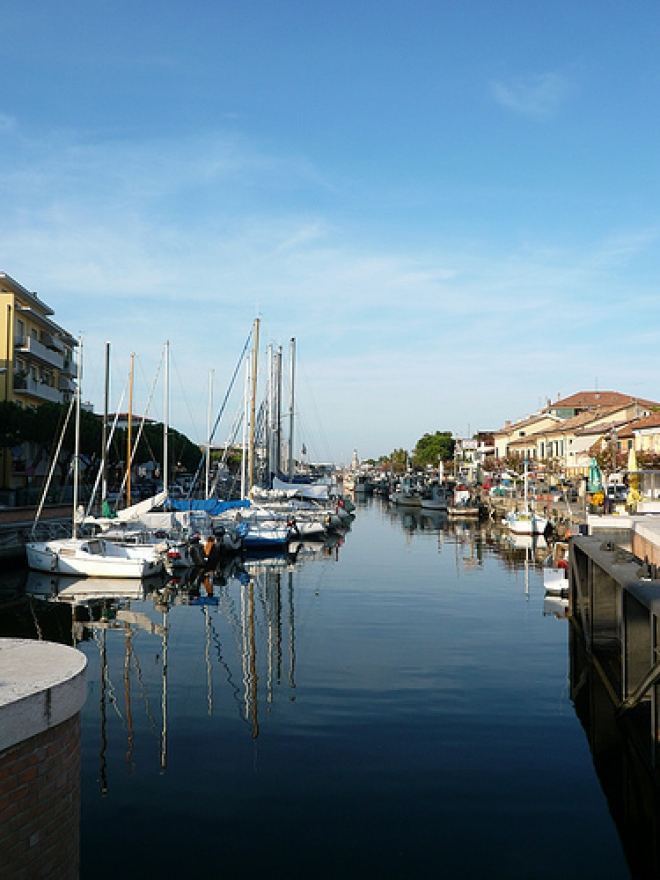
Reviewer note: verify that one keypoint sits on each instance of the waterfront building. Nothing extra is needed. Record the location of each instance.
(520, 438)
(566, 431)
(646, 434)
(36, 353)
(36, 358)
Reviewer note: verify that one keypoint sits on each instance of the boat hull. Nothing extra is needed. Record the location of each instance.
(529, 524)
(68, 558)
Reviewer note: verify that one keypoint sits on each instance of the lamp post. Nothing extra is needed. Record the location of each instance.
(614, 442)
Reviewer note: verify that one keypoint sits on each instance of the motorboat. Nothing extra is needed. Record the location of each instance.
(435, 498)
(92, 557)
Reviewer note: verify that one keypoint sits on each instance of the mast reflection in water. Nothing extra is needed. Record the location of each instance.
(399, 708)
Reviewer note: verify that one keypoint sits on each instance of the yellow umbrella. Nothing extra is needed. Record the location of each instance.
(633, 481)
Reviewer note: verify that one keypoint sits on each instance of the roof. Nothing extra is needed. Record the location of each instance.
(603, 427)
(582, 420)
(652, 421)
(592, 399)
(529, 420)
(10, 284)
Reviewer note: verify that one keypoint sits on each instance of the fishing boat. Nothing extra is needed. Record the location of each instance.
(435, 498)
(526, 521)
(463, 505)
(407, 494)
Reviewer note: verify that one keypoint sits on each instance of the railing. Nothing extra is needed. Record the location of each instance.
(31, 346)
(37, 389)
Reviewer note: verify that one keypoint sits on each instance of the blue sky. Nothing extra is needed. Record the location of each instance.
(454, 207)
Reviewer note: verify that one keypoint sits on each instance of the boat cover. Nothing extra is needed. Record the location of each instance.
(212, 506)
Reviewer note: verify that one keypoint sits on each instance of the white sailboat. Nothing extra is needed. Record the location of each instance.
(526, 521)
(89, 557)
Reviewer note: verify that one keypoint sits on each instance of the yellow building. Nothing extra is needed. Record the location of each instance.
(36, 355)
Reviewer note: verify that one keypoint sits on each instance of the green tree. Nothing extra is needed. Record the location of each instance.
(399, 459)
(432, 448)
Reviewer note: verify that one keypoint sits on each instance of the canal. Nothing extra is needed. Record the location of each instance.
(395, 705)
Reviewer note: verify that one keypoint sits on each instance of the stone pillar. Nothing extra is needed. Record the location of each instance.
(42, 690)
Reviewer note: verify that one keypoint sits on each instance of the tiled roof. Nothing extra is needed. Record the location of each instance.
(530, 420)
(582, 419)
(584, 399)
(652, 421)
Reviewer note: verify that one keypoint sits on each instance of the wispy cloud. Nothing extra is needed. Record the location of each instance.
(174, 240)
(536, 96)
(7, 123)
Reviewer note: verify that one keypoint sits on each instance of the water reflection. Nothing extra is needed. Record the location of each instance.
(624, 757)
(127, 627)
(379, 689)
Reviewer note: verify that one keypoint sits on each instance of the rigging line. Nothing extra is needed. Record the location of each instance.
(52, 466)
(112, 693)
(326, 450)
(235, 428)
(236, 692)
(228, 605)
(108, 446)
(145, 695)
(142, 423)
(184, 395)
(220, 411)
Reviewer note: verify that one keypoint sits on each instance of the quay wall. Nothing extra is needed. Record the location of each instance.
(16, 524)
(645, 539)
(42, 690)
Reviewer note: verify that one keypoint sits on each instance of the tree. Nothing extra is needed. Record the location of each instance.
(397, 460)
(432, 448)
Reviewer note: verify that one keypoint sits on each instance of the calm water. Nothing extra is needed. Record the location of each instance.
(396, 707)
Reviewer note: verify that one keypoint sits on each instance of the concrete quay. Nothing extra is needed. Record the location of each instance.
(42, 691)
(16, 524)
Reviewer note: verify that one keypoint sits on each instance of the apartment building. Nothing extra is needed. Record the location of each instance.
(36, 354)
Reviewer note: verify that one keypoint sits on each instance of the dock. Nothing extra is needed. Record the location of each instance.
(614, 640)
(16, 526)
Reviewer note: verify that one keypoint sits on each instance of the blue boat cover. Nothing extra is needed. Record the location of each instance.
(212, 506)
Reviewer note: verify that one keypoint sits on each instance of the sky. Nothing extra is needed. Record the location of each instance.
(453, 207)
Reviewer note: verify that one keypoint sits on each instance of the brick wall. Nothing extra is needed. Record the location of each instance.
(40, 805)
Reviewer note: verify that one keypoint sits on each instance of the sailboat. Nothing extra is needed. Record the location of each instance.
(89, 557)
(526, 521)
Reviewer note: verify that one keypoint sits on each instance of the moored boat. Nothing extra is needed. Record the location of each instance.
(91, 557)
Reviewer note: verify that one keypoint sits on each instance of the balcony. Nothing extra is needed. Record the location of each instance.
(33, 348)
(66, 386)
(51, 342)
(25, 386)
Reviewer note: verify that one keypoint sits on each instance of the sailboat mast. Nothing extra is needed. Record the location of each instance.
(104, 443)
(292, 368)
(129, 434)
(269, 445)
(166, 420)
(246, 416)
(253, 405)
(76, 453)
(209, 416)
(278, 414)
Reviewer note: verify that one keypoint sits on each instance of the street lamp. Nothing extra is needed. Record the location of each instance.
(614, 442)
